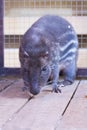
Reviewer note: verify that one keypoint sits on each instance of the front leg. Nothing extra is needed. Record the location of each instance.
(55, 83)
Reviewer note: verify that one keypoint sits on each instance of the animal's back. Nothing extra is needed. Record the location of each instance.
(58, 31)
(61, 35)
(54, 25)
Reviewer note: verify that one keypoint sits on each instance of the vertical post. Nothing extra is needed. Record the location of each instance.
(1, 35)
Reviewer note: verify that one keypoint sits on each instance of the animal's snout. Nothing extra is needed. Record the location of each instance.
(32, 89)
(35, 91)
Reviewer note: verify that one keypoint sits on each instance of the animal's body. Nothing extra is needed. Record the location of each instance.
(48, 46)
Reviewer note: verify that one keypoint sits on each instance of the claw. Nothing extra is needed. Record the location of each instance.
(56, 88)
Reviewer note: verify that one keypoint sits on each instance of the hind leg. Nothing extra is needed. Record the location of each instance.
(69, 73)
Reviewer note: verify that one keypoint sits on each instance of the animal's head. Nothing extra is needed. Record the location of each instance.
(35, 64)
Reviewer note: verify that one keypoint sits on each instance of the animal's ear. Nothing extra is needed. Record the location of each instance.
(23, 52)
(26, 54)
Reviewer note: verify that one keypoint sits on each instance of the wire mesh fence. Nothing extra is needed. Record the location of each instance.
(19, 15)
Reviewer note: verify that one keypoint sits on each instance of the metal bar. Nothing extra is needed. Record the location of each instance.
(10, 71)
(81, 73)
(1, 35)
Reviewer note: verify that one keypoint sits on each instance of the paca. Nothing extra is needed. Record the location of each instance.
(49, 46)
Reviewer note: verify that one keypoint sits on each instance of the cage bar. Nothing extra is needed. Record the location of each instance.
(1, 35)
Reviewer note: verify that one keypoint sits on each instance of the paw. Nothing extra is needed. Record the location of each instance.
(56, 88)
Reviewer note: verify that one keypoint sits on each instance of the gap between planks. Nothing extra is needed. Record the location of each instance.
(70, 99)
(5, 83)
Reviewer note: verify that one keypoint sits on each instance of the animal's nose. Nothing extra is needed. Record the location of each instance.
(35, 91)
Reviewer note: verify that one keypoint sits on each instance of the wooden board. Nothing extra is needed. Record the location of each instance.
(4, 83)
(75, 117)
(42, 112)
(11, 100)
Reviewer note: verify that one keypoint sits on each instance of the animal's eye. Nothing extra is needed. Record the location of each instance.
(44, 69)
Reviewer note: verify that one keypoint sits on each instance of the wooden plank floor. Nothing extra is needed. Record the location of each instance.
(46, 111)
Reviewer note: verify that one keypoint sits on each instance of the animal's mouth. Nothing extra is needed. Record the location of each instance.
(25, 88)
